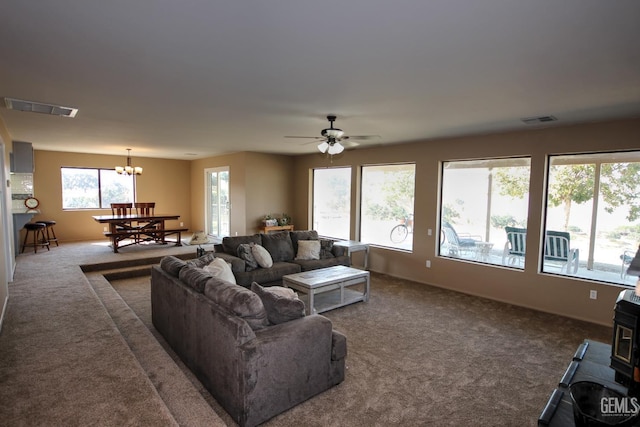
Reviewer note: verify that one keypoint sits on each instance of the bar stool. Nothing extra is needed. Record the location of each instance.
(38, 233)
(49, 231)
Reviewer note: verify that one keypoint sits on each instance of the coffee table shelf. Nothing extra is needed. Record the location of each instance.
(329, 288)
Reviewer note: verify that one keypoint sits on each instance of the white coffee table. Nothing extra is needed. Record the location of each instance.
(328, 288)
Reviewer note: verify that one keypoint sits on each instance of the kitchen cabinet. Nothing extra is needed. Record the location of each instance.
(22, 157)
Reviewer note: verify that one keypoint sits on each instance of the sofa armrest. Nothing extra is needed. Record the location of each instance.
(287, 364)
(339, 251)
(338, 346)
(237, 264)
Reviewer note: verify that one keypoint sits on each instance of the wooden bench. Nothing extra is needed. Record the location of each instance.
(156, 234)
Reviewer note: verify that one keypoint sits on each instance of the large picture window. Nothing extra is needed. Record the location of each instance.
(386, 217)
(484, 210)
(592, 222)
(332, 202)
(90, 188)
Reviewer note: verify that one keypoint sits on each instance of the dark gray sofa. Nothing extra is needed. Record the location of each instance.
(283, 247)
(254, 370)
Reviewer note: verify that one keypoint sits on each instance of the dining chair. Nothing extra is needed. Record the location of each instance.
(121, 209)
(145, 208)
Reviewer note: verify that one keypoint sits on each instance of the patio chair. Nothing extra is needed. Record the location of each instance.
(557, 247)
(458, 245)
(515, 246)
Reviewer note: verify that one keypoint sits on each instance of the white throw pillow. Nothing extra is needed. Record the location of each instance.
(262, 256)
(221, 269)
(308, 249)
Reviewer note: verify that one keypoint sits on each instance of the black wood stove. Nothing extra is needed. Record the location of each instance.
(625, 349)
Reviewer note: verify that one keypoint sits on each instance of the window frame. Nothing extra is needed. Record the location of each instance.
(100, 187)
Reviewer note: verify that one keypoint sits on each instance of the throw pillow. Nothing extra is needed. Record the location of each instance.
(240, 301)
(202, 261)
(282, 291)
(308, 249)
(230, 243)
(326, 249)
(298, 235)
(220, 269)
(172, 265)
(279, 246)
(245, 253)
(279, 309)
(194, 277)
(262, 256)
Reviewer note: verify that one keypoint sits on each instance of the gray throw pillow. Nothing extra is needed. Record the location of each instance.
(279, 246)
(195, 278)
(326, 249)
(172, 265)
(245, 253)
(202, 261)
(230, 243)
(280, 309)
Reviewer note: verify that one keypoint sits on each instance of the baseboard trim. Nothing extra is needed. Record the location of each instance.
(4, 310)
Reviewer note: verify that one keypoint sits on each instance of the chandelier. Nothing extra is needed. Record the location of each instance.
(129, 170)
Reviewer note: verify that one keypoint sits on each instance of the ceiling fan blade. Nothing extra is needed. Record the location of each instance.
(318, 138)
(350, 144)
(362, 137)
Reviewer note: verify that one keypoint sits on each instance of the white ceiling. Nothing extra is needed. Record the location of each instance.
(195, 78)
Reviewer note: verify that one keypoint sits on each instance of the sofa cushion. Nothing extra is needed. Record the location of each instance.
(230, 243)
(262, 256)
(302, 235)
(326, 249)
(195, 278)
(279, 309)
(245, 253)
(172, 265)
(202, 261)
(221, 269)
(279, 246)
(308, 249)
(267, 275)
(239, 301)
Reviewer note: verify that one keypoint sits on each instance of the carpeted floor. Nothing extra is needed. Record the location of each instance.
(420, 355)
(73, 351)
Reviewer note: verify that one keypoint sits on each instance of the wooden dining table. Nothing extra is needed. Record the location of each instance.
(139, 229)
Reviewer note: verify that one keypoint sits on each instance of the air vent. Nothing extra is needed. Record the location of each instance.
(540, 119)
(38, 107)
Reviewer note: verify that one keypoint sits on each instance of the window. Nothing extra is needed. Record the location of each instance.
(217, 201)
(484, 210)
(332, 202)
(387, 205)
(593, 204)
(90, 188)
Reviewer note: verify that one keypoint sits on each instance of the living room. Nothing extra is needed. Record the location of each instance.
(590, 86)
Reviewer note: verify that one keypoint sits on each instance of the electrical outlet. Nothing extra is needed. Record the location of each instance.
(182, 224)
(428, 263)
(105, 228)
(593, 294)
(429, 232)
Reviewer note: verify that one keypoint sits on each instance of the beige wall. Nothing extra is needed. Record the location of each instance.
(259, 184)
(163, 181)
(526, 288)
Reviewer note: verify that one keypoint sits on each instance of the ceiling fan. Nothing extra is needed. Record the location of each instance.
(331, 138)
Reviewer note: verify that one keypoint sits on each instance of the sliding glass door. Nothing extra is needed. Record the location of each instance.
(217, 204)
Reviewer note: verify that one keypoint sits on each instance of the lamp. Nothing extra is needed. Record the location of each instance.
(129, 170)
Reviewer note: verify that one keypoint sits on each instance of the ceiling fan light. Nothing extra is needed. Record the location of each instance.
(336, 148)
(323, 146)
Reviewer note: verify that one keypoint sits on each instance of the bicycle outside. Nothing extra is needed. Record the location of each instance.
(400, 232)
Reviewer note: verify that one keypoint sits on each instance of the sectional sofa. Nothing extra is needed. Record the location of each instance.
(286, 254)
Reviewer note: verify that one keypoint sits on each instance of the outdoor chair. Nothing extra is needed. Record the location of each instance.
(557, 248)
(458, 245)
(515, 247)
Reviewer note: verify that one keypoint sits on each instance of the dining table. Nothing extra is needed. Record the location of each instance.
(137, 228)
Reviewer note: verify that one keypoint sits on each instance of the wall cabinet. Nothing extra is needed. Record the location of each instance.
(22, 157)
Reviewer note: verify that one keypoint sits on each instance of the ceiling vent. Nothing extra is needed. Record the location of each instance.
(539, 119)
(38, 107)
